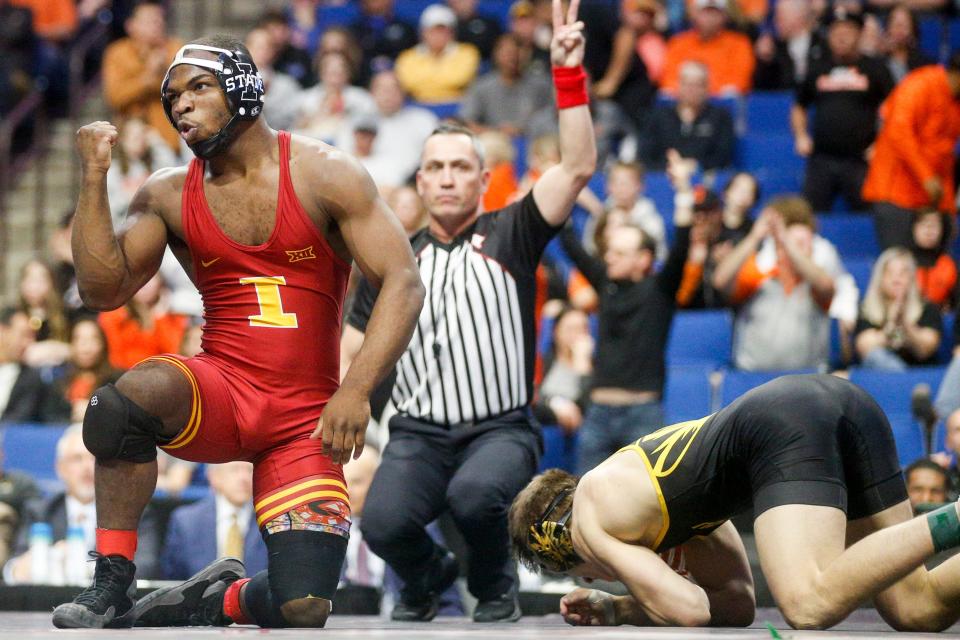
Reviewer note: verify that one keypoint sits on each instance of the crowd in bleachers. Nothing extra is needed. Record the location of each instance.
(775, 193)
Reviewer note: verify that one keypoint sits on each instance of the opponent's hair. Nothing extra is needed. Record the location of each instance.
(530, 504)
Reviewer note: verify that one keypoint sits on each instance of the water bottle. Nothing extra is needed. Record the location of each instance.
(41, 537)
(75, 562)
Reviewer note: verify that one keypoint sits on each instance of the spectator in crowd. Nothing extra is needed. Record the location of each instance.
(936, 269)
(781, 320)
(48, 318)
(305, 24)
(947, 401)
(693, 126)
(927, 6)
(381, 35)
(913, 160)
(532, 32)
(401, 128)
(625, 194)
(784, 56)
(382, 167)
(475, 28)
(927, 483)
(327, 109)
(740, 196)
(341, 40)
(707, 249)
(901, 43)
(439, 69)
(144, 327)
(282, 91)
(16, 488)
(636, 310)
(506, 98)
(361, 567)
(565, 386)
(949, 459)
(55, 21)
(141, 150)
(87, 369)
(290, 59)
(22, 390)
(897, 328)
(221, 524)
(499, 156)
(407, 204)
(61, 260)
(75, 507)
(846, 88)
(728, 55)
(16, 55)
(638, 33)
(133, 68)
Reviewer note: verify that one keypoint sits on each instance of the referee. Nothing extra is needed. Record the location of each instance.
(463, 438)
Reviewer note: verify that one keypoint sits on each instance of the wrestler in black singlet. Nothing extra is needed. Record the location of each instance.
(807, 439)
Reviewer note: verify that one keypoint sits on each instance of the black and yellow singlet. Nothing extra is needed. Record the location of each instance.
(810, 439)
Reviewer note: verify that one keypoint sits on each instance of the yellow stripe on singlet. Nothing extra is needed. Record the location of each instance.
(190, 431)
(656, 486)
(316, 482)
(280, 508)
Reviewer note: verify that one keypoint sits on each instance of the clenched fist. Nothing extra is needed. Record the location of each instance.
(95, 143)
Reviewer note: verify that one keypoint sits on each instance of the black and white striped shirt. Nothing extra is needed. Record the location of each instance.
(472, 354)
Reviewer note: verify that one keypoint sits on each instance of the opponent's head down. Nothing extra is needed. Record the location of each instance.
(207, 119)
(540, 523)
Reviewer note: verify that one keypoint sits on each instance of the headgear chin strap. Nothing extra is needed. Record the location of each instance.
(550, 539)
(241, 83)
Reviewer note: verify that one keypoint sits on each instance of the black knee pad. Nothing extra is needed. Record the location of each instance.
(304, 563)
(115, 428)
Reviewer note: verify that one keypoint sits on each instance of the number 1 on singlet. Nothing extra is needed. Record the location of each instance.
(271, 307)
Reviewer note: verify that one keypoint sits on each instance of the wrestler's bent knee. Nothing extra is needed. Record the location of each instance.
(116, 428)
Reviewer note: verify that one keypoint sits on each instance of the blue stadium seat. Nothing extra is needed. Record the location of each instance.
(908, 437)
(559, 449)
(336, 16)
(852, 234)
(410, 10)
(700, 337)
(769, 112)
(32, 449)
(772, 160)
(860, 269)
(945, 353)
(892, 390)
(440, 109)
(932, 36)
(688, 394)
(736, 383)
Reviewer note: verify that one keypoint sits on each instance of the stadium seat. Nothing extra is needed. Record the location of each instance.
(688, 394)
(559, 449)
(892, 390)
(440, 109)
(32, 449)
(700, 337)
(860, 269)
(852, 234)
(736, 383)
(768, 112)
(932, 36)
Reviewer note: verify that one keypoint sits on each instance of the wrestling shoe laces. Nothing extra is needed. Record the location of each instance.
(103, 602)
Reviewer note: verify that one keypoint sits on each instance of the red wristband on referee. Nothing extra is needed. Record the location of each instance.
(571, 85)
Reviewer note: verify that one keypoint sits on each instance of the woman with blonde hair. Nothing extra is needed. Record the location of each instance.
(897, 327)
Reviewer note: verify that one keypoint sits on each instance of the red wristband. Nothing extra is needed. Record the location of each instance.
(571, 85)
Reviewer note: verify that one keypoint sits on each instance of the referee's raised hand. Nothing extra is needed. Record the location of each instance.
(566, 48)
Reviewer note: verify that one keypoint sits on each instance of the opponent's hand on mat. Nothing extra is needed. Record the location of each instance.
(588, 607)
(343, 425)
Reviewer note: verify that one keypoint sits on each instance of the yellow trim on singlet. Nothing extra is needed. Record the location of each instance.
(656, 486)
(190, 431)
(267, 515)
(316, 482)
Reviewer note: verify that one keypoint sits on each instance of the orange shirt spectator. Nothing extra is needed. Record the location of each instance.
(915, 147)
(503, 184)
(134, 67)
(52, 19)
(728, 56)
(129, 342)
(938, 282)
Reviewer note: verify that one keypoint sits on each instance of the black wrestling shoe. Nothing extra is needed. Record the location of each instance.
(103, 603)
(198, 602)
(419, 602)
(503, 608)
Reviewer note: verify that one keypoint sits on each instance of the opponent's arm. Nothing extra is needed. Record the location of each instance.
(378, 244)
(111, 267)
(718, 563)
(557, 189)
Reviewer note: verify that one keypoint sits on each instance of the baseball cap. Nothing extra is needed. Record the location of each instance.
(712, 4)
(705, 200)
(366, 123)
(841, 13)
(438, 15)
(521, 9)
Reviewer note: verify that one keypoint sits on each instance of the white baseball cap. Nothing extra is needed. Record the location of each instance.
(712, 4)
(438, 15)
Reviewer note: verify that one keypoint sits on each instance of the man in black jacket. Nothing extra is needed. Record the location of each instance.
(21, 389)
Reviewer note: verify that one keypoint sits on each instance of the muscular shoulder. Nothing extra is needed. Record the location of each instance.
(624, 503)
(325, 176)
(161, 194)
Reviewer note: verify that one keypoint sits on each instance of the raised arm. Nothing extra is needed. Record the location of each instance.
(557, 189)
(111, 267)
(725, 274)
(376, 241)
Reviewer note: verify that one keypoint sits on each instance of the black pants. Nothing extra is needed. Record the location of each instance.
(894, 225)
(828, 175)
(475, 471)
